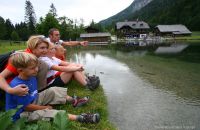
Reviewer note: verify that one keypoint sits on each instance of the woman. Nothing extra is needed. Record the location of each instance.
(37, 46)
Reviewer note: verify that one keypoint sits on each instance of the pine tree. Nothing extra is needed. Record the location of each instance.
(2, 28)
(30, 17)
(53, 10)
(15, 36)
(9, 29)
(22, 31)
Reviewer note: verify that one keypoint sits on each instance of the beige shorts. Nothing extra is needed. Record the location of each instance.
(45, 114)
(53, 95)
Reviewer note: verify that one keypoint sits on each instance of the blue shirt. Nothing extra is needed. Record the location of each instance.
(12, 101)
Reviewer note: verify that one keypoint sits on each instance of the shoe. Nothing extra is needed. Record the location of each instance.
(89, 118)
(92, 82)
(77, 101)
(93, 78)
(92, 85)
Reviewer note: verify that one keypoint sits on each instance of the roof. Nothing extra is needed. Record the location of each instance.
(95, 35)
(133, 24)
(175, 29)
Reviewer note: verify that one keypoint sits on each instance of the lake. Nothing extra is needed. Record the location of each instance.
(149, 86)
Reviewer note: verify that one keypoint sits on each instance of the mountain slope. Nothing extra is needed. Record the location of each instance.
(136, 5)
(185, 12)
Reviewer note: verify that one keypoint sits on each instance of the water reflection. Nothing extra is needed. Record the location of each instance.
(173, 48)
(141, 43)
(139, 100)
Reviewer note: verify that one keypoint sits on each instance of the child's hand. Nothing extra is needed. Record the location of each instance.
(20, 90)
(80, 68)
(49, 107)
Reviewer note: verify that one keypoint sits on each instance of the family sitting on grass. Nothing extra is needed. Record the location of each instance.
(35, 80)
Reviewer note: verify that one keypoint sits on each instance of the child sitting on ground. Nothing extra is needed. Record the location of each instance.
(36, 106)
(60, 52)
(61, 72)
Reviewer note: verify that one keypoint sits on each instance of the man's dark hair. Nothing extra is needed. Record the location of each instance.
(52, 30)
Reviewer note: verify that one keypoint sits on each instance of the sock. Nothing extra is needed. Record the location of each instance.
(71, 100)
(79, 118)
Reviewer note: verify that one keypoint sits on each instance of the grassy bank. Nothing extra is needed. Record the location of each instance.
(98, 102)
(6, 47)
(194, 37)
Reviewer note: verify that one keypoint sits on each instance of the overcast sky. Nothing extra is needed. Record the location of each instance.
(88, 10)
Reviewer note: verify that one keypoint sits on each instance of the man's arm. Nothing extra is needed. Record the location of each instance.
(19, 90)
(74, 43)
(33, 107)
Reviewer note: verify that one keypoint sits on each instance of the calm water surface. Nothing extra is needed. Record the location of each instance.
(149, 89)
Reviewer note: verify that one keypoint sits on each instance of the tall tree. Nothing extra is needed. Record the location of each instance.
(22, 31)
(53, 10)
(66, 27)
(30, 17)
(2, 28)
(9, 29)
(15, 36)
(45, 24)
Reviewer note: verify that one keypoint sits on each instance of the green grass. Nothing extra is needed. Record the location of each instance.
(6, 47)
(98, 102)
(196, 33)
(194, 36)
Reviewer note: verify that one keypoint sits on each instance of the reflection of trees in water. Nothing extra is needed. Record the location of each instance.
(182, 52)
(181, 78)
(168, 74)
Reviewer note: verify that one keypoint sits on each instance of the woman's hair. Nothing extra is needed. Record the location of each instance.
(35, 40)
(23, 59)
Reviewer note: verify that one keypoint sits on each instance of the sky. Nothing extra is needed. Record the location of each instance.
(87, 10)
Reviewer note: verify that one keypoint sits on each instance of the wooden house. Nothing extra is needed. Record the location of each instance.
(132, 29)
(96, 38)
(172, 30)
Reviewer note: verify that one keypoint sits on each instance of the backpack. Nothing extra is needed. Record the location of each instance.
(4, 60)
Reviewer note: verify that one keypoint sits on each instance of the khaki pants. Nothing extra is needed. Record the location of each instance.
(53, 95)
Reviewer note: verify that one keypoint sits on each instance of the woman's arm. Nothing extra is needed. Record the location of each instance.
(19, 90)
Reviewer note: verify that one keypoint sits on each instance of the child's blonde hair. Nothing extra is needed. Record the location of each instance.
(60, 52)
(35, 40)
(23, 59)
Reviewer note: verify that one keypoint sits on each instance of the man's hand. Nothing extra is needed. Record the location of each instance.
(20, 90)
(83, 43)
